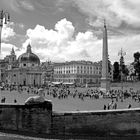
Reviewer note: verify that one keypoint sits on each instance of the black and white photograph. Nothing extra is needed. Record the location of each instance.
(70, 69)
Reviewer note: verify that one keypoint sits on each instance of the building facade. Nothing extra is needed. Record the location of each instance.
(7, 63)
(80, 72)
(27, 72)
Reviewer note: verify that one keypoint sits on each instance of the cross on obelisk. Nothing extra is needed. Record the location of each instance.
(105, 80)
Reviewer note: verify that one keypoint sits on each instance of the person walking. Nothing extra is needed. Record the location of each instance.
(129, 106)
(104, 107)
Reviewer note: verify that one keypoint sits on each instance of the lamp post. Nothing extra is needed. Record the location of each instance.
(4, 19)
(122, 54)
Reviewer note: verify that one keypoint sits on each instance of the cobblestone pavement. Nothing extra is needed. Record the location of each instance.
(69, 104)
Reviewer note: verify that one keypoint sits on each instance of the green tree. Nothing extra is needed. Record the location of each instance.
(116, 72)
(137, 64)
(123, 69)
(109, 66)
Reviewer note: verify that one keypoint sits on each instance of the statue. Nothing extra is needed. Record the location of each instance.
(38, 99)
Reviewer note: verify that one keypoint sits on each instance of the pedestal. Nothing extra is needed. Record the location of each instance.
(105, 85)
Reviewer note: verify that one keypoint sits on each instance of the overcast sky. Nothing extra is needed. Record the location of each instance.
(64, 30)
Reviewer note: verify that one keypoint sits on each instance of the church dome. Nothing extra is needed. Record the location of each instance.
(29, 57)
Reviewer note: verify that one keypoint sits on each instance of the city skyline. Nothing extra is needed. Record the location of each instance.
(61, 30)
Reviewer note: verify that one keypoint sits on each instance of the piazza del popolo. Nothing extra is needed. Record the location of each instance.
(27, 70)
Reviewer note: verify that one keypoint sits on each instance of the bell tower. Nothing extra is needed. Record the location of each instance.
(12, 57)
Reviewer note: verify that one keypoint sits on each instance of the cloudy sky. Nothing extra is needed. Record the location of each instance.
(64, 30)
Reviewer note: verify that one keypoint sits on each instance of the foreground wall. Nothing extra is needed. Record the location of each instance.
(26, 118)
(101, 123)
(40, 119)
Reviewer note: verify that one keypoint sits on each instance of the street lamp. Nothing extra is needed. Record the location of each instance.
(4, 19)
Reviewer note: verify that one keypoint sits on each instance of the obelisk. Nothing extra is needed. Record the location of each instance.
(105, 80)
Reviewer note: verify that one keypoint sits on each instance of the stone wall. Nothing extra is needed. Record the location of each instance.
(101, 123)
(26, 118)
(39, 119)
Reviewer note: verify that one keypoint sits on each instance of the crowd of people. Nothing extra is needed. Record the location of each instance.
(65, 92)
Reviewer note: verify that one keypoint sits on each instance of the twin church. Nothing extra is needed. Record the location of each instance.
(25, 70)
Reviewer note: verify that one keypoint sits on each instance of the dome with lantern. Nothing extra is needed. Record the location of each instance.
(28, 57)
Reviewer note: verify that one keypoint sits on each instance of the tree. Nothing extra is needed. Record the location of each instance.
(116, 72)
(136, 57)
(123, 69)
(109, 66)
(137, 64)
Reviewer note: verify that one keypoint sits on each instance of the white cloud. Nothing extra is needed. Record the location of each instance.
(6, 49)
(7, 31)
(19, 5)
(114, 11)
(21, 25)
(8, 34)
(63, 31)
(61, 44)
(130, 45)
(26, 5)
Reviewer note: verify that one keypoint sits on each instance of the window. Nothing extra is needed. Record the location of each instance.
(77, 71)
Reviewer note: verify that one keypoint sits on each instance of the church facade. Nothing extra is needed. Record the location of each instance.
(27, 71)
